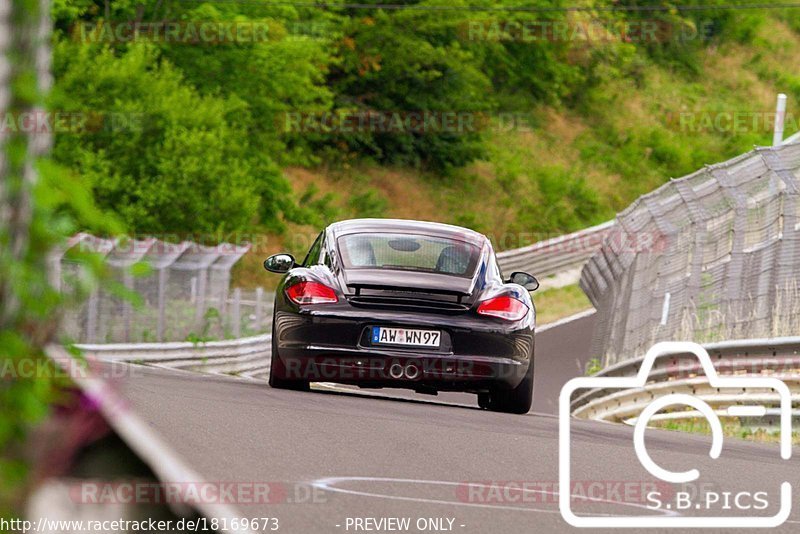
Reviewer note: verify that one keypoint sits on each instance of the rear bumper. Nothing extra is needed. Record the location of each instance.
(455, 373)
(475, 355)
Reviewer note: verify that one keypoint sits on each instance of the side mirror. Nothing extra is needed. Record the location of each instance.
(279, 263)
(528, 281)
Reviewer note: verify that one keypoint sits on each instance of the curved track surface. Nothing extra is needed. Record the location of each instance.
(337, 456)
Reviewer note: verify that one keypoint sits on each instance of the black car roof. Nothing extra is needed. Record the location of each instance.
(406, 226)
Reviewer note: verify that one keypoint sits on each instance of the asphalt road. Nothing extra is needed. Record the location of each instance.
(336, 457)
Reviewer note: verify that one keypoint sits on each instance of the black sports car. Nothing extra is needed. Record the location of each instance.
(409, 304)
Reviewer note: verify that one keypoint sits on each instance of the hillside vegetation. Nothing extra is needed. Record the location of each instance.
(254, 140)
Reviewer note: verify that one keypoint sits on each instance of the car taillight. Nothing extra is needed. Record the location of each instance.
(311, 293)
(504, 307)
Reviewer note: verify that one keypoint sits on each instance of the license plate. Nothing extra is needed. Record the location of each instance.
(406, 336)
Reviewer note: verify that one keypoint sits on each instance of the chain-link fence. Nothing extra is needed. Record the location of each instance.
(183, 293)
(710, 256)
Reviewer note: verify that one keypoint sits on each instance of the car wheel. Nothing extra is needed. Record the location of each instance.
(277, 371)
(517, 400)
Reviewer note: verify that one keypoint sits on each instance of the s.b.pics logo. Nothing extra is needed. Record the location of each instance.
(692, 500)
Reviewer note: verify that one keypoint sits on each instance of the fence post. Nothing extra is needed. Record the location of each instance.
(780, 116)
(91, 317)
(223, 300)
(732, 282)
(259, 308)
(127, 308)
(784, 261)
(200, 304)
(162, 289)
(55, 268)
(237, 312)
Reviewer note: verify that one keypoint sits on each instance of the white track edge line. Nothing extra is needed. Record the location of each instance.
(565, 320)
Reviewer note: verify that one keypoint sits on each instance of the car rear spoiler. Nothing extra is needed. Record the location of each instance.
(387, 279)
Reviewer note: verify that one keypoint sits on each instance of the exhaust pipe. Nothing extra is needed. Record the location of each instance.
(412, 371)
(396, 371)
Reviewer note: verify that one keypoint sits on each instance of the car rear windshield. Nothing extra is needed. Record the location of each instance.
(408, 252)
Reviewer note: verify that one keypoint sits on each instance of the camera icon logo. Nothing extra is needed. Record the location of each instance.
(639, 381)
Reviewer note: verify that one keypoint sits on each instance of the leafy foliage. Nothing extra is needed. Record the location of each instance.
(166, 158)
(186, 139)
(405, 63)
(204, 127)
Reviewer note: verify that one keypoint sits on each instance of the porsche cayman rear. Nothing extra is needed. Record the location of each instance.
(394, 303)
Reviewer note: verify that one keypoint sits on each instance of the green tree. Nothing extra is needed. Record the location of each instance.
(162, 156)
(407, 62)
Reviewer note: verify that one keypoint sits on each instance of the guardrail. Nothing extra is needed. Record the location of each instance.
(556, 255)
(245, 357)
(682, 373)
(249, 356)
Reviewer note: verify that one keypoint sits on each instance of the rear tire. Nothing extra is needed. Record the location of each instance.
(277, 371)
(518, 400)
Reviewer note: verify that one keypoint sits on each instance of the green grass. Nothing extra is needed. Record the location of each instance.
(555, 304)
